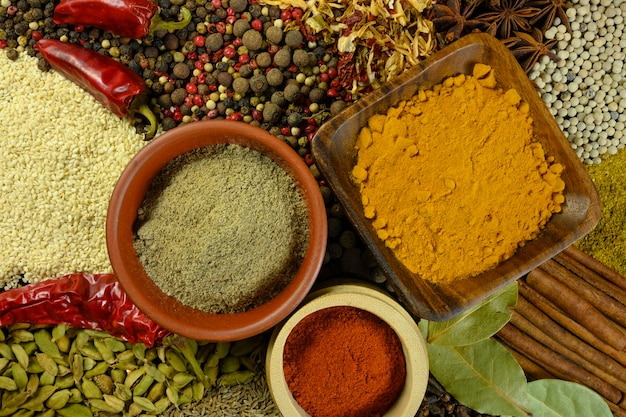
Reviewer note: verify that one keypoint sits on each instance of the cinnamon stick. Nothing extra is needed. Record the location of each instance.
(556, 364)
(556, 345)
(556, 332)
(616, 409)
(607, 305)
(531, 368)
(592, 277)
(577, 308)
(567, 322)
(594, 264)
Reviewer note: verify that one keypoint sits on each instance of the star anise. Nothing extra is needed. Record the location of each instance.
(508, 16)
(529, 47)
(550, 9)
(454, 21)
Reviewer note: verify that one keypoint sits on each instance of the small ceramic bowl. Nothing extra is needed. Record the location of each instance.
(365, 297)
(129, 193)
(333, 149)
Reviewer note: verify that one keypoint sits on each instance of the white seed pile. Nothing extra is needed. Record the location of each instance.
(585, 90)
(61, 153)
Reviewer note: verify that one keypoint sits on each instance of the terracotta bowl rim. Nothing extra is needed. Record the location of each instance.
(128, 195)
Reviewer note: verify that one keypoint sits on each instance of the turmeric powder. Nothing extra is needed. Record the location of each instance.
(453, 180)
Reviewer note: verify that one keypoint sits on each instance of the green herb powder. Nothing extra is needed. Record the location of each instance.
(222, 229)
(607, 242)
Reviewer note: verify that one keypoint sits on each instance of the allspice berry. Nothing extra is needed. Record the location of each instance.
(252, 40)
(274, 77)
(317, 95)
(301, 58)
(181, 71)
(214, 42)
(178, 96)
(292, 92)
(238, 5)
(293, 39)
(264, 59)
(241, 85)
(271, 113)
(258, 83)
(282, 58)
(274, 35)
(240, 27)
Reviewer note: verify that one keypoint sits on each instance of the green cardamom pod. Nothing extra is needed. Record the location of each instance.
(118, 375)
(46, 379)
(143, 385)
(75, 410)
(175, 360)
(122, 392)
(44, 342)
(172, 394)
(105, 352)
(33, 383)
(139, 351)
(89, 350)
(198, 391)
(230, 364)
(65, 381)
(20, 377)
(20, 355)
(182, 379)
(114, 344)
(6, 352)
(16, 399)
(90, 389)
(8, 384)
(63, 343)
(167, 370)
(36, 402)
(161, 405)
(47, 363)
(246, 346)
(154, 372)
(58, 331)
(59, 399)
(4, 364)
(22, 335)
(156, 391)
(235, 378)
(104, 382)
(117, 405)
(133, 376)
(99, 369)
(144, 404)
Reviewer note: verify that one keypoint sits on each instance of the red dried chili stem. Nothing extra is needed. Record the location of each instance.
(127, 18)
(113, 84)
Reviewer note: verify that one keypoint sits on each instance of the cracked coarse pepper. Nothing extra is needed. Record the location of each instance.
(453, 180)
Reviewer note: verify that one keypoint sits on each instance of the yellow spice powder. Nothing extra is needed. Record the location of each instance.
(453, 180)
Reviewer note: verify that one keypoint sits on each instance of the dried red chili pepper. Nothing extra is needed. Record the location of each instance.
(113, 84)
(80, 300)
(127, 18)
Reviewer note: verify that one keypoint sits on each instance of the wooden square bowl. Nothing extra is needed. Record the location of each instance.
(335, 155)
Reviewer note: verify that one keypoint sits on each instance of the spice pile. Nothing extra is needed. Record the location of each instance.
(451, 211)
(222, 229)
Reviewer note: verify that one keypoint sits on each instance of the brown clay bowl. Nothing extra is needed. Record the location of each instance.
(129, 193)
(333, 150)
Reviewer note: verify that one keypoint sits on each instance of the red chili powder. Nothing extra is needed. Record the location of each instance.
(344, 362)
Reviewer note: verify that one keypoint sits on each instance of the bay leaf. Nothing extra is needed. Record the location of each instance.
(478, 323)
(482, 376)
(558, 398)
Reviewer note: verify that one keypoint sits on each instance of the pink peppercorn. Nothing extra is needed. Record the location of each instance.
(199, 40)
(257, 25)
(229, 52)
(3, 43)
(191, 88)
